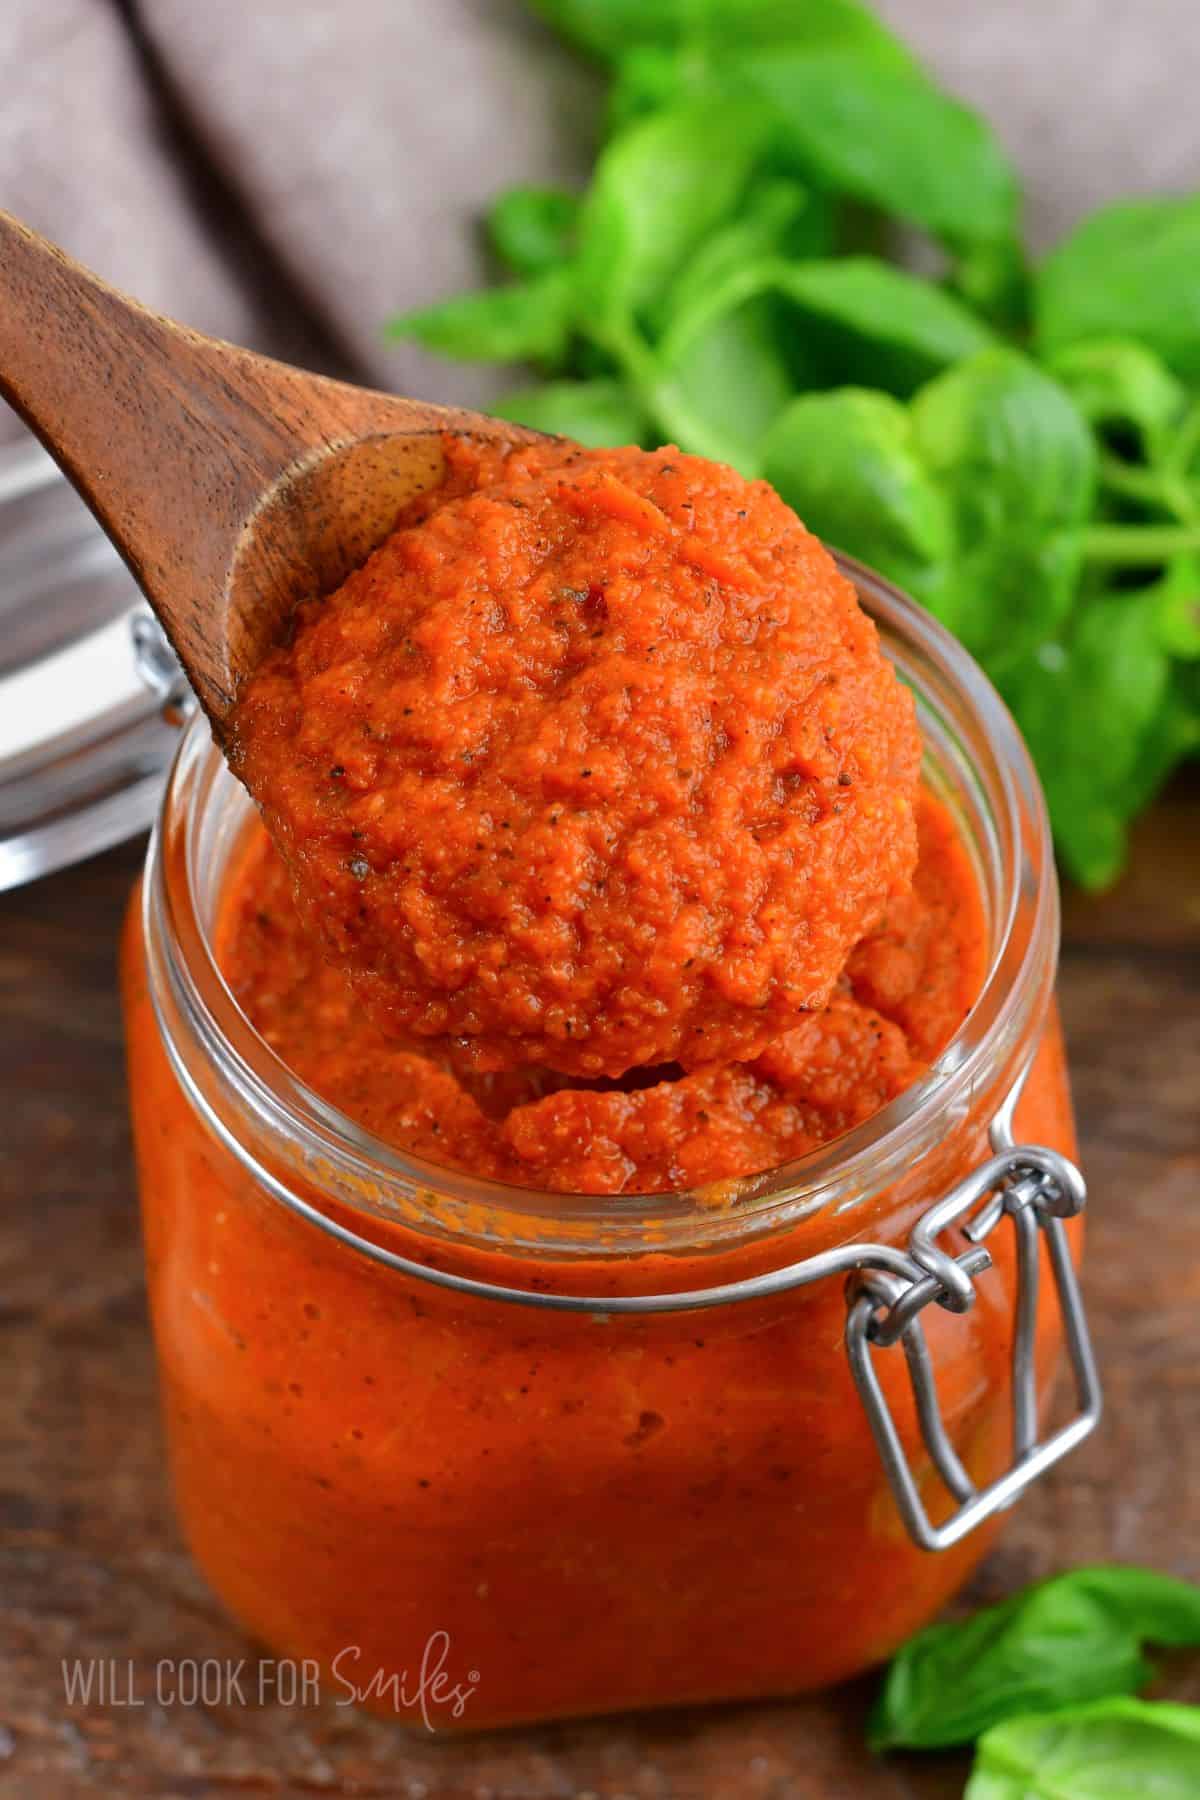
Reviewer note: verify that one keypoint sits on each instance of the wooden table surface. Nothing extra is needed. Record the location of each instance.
(90, 1563)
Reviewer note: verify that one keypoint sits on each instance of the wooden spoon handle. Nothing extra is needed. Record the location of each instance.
(232, 485)
(165, 432)
(172, 438)
(117, 395)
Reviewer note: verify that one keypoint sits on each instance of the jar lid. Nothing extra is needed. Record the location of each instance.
(90, 691)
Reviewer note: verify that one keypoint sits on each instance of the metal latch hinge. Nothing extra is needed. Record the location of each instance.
(1037, 1189)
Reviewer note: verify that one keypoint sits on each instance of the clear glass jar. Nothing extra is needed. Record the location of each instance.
(568, 1512)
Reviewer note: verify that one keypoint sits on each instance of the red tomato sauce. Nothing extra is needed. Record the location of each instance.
(906, 990)
(597, 1513)
(596, 785)
(596, 764)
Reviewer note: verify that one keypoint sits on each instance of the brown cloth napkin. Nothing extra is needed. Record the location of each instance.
(289, 172)
(365, 138)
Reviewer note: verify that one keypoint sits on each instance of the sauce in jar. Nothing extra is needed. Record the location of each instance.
(575, 1513)
(905, 991)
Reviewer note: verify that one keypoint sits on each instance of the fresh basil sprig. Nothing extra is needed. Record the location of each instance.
(1132, 270)
(866, 130)
(1113, 1750)
(1077, 1637)
(532, 229)
(1020, 450)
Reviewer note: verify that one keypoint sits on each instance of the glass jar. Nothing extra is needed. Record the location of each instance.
(392, 1451)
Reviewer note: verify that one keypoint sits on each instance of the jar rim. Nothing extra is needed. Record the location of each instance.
(228, 1070)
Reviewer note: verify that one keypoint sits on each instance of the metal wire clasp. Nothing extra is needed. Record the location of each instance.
(1037, 1189)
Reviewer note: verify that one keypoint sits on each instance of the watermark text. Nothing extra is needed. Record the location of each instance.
(430, 1689)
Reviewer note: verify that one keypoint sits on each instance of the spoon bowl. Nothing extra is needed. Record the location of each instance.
(319, 520)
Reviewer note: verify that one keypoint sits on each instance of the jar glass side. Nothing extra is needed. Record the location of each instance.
(975, 762)
(595, 1513)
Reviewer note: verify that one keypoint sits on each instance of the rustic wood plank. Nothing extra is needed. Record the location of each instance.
(90, 1565)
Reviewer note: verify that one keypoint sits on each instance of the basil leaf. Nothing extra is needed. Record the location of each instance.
(1118, 382)
(695, 63)
(1132, 270)
(725, 387)
(1075, 1637)
(598, 413)
(994, 278)
(609, 28)
(1019, 463)
(847, 463)
(659, 189)
(531, 228)
(910, 327)
(773, 24)
(1088, 709)
(888, 136)
(881, 318)
(1172, 735)
(530, 319)
(1176, 600)
(1117, 1750)
(648, 79)
(727, 373)
(1010, 441)
(613, 29)
(764, 229)
(1006, 595)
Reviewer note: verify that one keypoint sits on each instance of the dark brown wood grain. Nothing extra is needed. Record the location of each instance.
(232, 485)
(90, 1565)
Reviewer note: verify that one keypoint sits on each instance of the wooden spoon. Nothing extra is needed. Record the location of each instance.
(232, 485)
